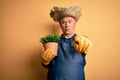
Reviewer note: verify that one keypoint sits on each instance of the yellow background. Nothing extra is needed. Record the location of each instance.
(23, 22)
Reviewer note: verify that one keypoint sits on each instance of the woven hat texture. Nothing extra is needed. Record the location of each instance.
(59, 12)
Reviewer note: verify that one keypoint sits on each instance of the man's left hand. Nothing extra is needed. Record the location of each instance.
(82, 44)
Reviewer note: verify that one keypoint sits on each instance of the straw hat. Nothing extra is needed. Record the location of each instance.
(59, 12)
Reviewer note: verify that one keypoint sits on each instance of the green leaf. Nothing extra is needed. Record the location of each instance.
(50, 38)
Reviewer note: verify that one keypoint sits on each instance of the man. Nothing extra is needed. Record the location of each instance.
(70, 60)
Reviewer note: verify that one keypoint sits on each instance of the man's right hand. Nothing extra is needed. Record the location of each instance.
(47, 56)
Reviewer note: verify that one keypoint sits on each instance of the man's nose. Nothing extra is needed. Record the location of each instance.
(66, 24)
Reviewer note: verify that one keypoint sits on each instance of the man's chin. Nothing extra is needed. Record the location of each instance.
(68, 33)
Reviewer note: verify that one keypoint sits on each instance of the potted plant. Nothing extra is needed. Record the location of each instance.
(50, 41)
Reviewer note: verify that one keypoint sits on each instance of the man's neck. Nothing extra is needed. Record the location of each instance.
(68, 35)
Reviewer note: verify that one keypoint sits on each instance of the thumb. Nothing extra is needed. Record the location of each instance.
(76, 40)
(43, 50)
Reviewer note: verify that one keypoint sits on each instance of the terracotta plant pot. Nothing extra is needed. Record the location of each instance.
(52, 45)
